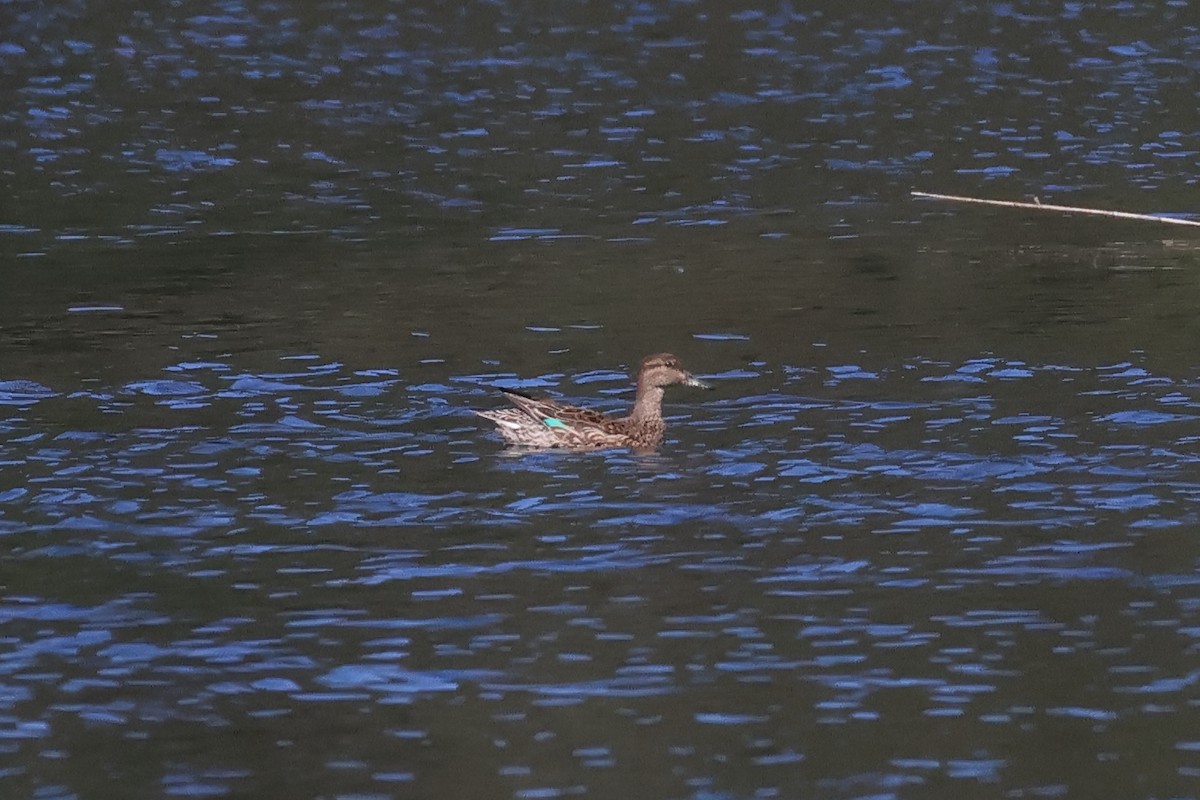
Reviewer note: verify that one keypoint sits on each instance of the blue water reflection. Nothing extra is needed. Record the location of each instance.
(484, 119)
(932, 535)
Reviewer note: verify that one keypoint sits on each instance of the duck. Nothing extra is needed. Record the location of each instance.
(544, 423)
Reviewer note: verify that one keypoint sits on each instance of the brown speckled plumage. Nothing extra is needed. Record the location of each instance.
(537, 422)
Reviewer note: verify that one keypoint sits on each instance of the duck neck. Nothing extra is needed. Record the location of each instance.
(647, 404)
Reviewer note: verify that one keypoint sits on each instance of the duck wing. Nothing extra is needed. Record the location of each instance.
(553, 414)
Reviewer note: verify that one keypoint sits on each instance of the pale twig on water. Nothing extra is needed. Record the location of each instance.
(1040, 206)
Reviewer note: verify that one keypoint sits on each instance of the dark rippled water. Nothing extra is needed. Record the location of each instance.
(370, 119)
(934, 534)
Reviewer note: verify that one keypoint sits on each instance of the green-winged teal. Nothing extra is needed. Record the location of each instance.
(537, 422)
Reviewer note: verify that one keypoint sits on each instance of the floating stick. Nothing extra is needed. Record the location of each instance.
(1040, 206)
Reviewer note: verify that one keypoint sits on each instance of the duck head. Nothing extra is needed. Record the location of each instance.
(662, 369)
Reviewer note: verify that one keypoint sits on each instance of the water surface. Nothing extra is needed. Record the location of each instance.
(933, 535)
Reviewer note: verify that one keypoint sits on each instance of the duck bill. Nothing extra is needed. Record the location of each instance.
(693, 381)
